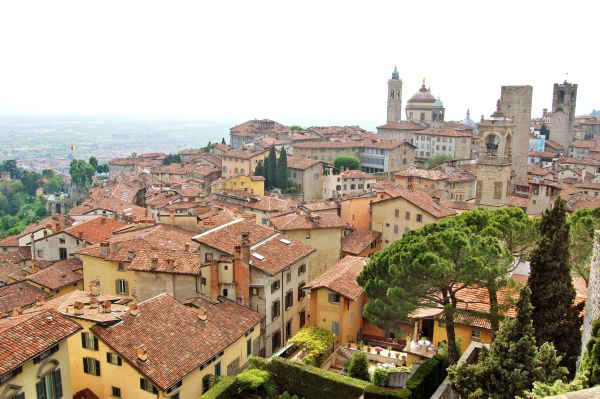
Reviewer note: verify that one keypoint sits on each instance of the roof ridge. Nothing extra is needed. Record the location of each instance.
(217, 228)
(264, 241)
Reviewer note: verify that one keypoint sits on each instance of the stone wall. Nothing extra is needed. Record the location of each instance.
(515, 104)
(592, 307)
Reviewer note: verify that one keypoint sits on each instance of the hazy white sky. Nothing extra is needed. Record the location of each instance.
(296, 62)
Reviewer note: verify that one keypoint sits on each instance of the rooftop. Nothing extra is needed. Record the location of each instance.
(59, 274)
(356, 242)
(341, 278)
(95, 230)
(18, 295)
(164, 261)
(303, 220)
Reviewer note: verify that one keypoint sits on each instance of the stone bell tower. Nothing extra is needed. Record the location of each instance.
(495, 160)
(394, 103)
(564, 98)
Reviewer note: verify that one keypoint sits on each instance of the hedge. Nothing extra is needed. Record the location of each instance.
(375, 392)
(225, 389)
(314, 383)
(428, 377)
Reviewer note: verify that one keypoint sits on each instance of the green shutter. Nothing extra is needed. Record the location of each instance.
(95, 343)
(58, 382)
(83, 340)
(97, 367)
(117, 287)
(41, 392)
(126, 287)
(85, 365)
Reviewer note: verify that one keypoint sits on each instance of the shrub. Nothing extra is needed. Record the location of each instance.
(314, 383)
(379, 377)
(359, 366)
(225, 389)
(427, 378)
(375, 392)
(253, 379)
(317, 341)
(256, 362)
(347, 161)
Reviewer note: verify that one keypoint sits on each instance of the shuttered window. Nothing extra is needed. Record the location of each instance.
(89, 341)
(122, 287)
(91, 366)
(50, 386)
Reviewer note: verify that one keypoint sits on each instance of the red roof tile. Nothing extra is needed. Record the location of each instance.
(95, 230)
(356, 242)
(58, 274)
(302, 220)
(341, 278)
(422, 200)
(26, 336)
(161, 261)
(18, 295)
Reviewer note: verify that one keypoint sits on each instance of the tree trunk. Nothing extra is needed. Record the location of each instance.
(452, 349)
(494, 315)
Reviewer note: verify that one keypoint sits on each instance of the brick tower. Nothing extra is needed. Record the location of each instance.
(515, 104)
(564, 98)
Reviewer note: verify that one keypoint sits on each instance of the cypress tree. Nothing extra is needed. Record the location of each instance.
(555, 318)
(223, 140)
(271, 168)
(282, 167)
(260, 169)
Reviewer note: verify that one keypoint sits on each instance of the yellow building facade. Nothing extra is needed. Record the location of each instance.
(251, 184)
(114, 277)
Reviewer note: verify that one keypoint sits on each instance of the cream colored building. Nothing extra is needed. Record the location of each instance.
(410, 210)
(241, 162)
(307, 176)
(347, 182)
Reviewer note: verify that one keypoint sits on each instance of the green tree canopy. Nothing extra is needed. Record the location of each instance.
(81, 173)
(437, 160)
(544, 131)
(590, 365)
(347, 161)
(427, 268)
(513, 362)
(282, 170)
(271, 168)
(172, 158)
(358, 366)
(94, 162)
(556, 319)
(582, 224)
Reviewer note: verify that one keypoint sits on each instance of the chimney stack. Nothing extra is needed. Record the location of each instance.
(214, 280)
(103, 220)
(170, 265)
(142, 353)
(202, 314)
(186, 246)
(45, 233)
(80, 235)
(33, 254)
(17, 312)
(130, 255)
(57, 227)
(94, 303)
(104, 248)
(172, 216)
(39, 300)
(245, 248)
(241, 272)
(106, 307)
(154, 263)
(133, 310)
(78, 308)
(95, 287)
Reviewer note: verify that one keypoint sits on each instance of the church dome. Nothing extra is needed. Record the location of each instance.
(468, 121)
(422, 96)
(438, 103)
(395, 74)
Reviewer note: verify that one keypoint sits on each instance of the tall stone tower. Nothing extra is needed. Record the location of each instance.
(394, 103)
(494, 162)
(515, 104)
(564, 98)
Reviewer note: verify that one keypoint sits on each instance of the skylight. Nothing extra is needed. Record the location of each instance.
(258, 256)
(285, 241)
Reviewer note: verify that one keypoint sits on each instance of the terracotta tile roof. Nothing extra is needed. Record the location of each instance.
(302, 220)
(412, 171)
(95, 230)
(341, 278)
(422, 200)
(53, 221)
(225, 237)
(578, 161)
(355, 242)
(459, 205)
(270, 203)
(582, 144)
(190, 151)
(175, 262)
(317, 206)
(447, 130)
(278, 252)
(356, 174)
(26, 336)
(402, 125)
(18, 295)
(162, 318)
(243, 153)
(10, 262)
(257, 126)
(190, 190)
(158, 236)
(64, 304)
(85, 394)
(351, 143)
(590, 185)
(58, 274)
(543, 154)
(553, 144)
(301, 163)
(217, 217)
(537, 171)
(10, 241)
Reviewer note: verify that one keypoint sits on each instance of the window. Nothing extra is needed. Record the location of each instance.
(288, 277)
(206, 383)
(302, 318)
(50, 385)
(208, 256)
(61, 240)
(45, 354)
(11, 374)
(275, 309)
(397, 213)
(275, 286)
(301, 292)
(288, 329)
(91, 366)
(218, 369)
(113, 358)
(148, 386)
(301, 270)
(276, 340)
(62, 253)
(89, 341)
(116, 392)
(334, 297)
(335, 327)
(121, 267)
(122, 287)
(254, 291)
(249, 347)
(308, 234)
(289, 299)
(475, 334)
(407, 216)
(419, 217)
(174, 387)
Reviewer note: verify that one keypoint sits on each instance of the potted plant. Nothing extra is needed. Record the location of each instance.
(369, 348)
(389, 349)
(378, 349)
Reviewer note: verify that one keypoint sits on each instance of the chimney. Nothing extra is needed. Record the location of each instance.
(241, 273)
(186, 246)
(102, 220)
(214, 280)
(142, 353)
(80, 235)
(201, 314)
(154, 263)
(94, 303)
(106, 307)
(17, 312)
(95, 287)
(170, 265)
(45, 233)
(78, 308)
(104, 249)
(172, 216)
(49, 226)
(133, 310)
(130, 255)
(39, 300)
(245, 247)
(57, 227)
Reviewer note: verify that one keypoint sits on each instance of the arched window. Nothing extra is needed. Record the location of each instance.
(561, 97)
